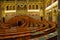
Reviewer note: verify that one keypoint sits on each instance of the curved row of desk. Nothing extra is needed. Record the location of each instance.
(26, 28)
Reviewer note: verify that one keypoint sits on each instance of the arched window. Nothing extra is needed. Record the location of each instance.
(36, 6)
(29, 6)
(13, 7)
(7, 8)
(32, 6)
